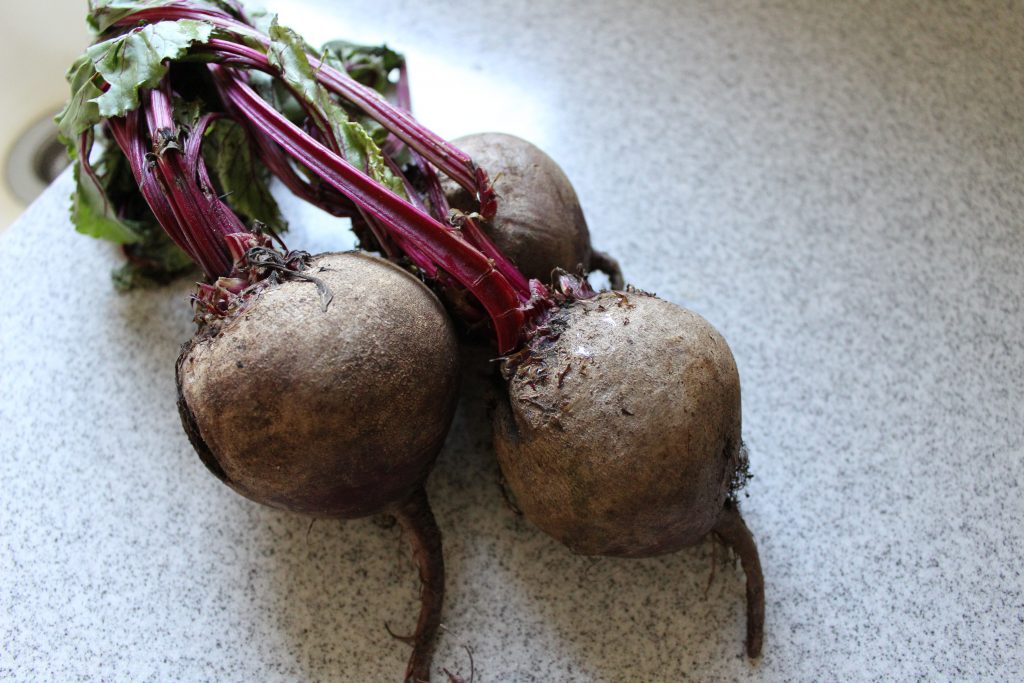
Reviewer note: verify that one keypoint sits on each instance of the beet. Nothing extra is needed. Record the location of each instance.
(621, 433)
(335, 413)
(332, 413)
(539, 223)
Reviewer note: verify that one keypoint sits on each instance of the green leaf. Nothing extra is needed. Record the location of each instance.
(136, 60)
(126, 63)
(186, 112)
(288, 53)
(92, 212)
(153, 262)
(81, 112)
(105, 13)
(152, 256)
(239, 174)
(371, 65)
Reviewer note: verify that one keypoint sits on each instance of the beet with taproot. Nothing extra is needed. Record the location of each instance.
(621, 434)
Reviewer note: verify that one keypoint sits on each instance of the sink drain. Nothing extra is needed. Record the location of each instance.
(36, 159)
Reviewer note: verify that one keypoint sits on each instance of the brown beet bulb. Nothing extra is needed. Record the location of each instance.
(539, 223)
(621, 435)
(333, 413)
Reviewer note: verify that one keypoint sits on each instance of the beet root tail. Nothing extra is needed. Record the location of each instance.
(417, 519)
(734, 533)
(601, 261)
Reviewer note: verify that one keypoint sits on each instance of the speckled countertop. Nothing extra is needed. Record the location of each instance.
(839, 187)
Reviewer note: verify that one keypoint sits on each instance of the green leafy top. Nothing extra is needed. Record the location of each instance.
(92, 210)
(371, 65)
(239, 175)
(107, 79)
(125, 63)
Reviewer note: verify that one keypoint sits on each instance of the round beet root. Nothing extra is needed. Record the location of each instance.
(334, 413)
(539, 223)
(621, 435)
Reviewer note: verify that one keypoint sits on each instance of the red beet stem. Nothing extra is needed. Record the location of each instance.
(449, 159)
(442, 245)
(233, 54)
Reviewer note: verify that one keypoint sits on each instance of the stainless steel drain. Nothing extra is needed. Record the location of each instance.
(35, 160)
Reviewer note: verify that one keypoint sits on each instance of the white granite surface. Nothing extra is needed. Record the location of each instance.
(839, 187)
